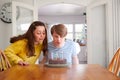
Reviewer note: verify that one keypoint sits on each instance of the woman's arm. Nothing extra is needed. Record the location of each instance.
(12, 52)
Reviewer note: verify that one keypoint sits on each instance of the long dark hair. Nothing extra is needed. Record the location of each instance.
(30, 37)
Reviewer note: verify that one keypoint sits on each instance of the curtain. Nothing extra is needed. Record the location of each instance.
(116, 24)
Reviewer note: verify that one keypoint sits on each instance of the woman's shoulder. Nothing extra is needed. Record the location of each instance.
(22, 41)
(18, 44)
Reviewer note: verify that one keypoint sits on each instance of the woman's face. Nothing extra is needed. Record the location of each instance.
(39, 34)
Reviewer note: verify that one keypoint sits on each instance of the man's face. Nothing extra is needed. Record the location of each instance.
(58, 40)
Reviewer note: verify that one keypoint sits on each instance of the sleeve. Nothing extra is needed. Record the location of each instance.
(76, 48)
(11, 52)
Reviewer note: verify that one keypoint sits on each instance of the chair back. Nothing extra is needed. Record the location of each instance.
(4, 63)
(114, 65)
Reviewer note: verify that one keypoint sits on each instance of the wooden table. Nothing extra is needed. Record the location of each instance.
(74, 72)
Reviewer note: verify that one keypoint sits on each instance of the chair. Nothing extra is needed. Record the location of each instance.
(4, 63)
(114, 65)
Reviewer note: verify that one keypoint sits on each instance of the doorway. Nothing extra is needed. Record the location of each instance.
(73, 17)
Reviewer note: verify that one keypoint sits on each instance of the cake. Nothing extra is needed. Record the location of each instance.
(58, 61)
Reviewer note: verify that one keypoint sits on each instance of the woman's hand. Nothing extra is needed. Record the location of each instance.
(44, 60)
(22, 63)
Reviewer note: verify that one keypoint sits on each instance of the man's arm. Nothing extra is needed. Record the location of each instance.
(75, 60)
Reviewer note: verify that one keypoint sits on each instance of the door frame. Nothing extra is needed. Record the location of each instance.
(109, 29)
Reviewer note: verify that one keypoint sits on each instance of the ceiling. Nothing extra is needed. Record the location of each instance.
(64, 9)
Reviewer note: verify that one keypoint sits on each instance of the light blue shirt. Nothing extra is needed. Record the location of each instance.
(67, 51)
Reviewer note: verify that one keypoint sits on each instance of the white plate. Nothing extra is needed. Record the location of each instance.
(57, 65)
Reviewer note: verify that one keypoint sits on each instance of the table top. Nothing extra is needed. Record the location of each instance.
(72, 72)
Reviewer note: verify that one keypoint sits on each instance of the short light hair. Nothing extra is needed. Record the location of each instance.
(60, 29)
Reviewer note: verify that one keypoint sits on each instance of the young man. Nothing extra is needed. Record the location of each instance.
(60, 47)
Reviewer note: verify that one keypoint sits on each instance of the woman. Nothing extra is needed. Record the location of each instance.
(25, 49)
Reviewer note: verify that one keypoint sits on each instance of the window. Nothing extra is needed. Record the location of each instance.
(80, 31)
(76, 31)
(22, 28)
(70, 31)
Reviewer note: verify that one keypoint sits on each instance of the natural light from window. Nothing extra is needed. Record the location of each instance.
(24, 27)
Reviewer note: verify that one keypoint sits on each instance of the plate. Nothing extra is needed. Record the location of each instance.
(57, 65)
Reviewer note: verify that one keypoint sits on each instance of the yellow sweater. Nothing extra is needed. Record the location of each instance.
(17, 51)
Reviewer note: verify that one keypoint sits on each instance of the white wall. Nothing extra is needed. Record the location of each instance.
(112, 31)
(99, 36)
(99, 40)
(5, 30)
(30, 2)
(77, 2)
(116, 23)
(62, 19)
